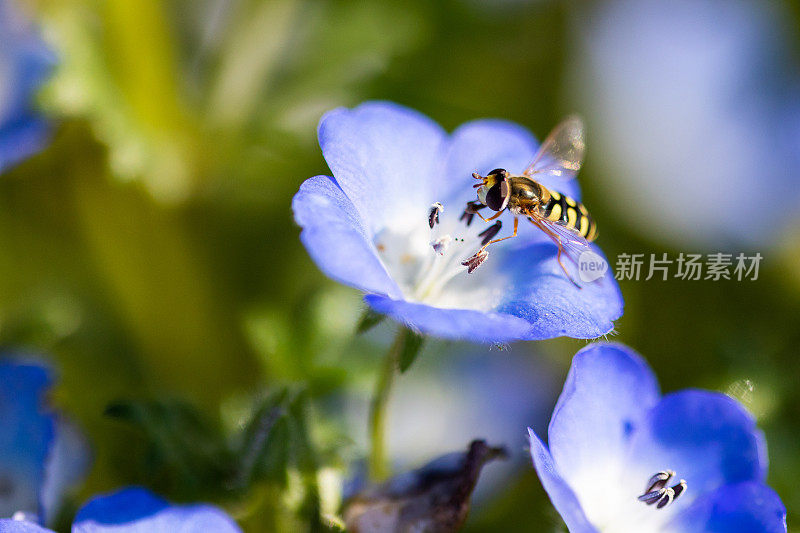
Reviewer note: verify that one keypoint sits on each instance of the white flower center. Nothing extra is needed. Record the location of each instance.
(611, 502)
(426, 262)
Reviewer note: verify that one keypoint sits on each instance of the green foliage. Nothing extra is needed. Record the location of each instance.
(412, 344)
(369, 319)
(194, 458)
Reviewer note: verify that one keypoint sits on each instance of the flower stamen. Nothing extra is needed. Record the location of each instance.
(433, 213)
(440, 245)
(659, 480)
(489, 233)
(470, 211)
(475, 261)
(657, 491)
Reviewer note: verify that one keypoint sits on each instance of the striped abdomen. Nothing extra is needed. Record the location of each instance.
(568, 212)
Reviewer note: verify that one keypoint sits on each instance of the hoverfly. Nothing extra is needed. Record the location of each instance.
(565, 220)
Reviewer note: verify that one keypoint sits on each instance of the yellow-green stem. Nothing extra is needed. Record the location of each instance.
(378, 463)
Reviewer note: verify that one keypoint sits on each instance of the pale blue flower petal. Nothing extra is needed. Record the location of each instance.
(538, 291)
(26, 435)
(136, 510)
(337, 239)
(385, 158)
(607, 395)
(21, 140)
(25, 62)
(749, 507)
(477, 326)
(8, 525)
(706, 437)
(67, 464)
(562, 496)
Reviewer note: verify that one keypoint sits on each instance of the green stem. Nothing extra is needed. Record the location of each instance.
(378, 463)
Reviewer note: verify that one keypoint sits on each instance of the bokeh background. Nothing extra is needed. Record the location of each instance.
(149, 251)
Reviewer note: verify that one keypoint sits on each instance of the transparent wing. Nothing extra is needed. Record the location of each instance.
(573, 243)
(561, 154)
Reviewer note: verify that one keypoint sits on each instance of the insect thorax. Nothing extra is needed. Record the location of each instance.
(526, 193)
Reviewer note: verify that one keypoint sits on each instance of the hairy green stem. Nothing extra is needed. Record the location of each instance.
(378, 463)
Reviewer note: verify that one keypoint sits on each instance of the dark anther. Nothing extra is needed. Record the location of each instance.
(659, 480)
(433, 214)
(679, 488)
(475, 261)
(470, 210)
(489, 233)
(657, 491)
(652, 497)
(666, 499)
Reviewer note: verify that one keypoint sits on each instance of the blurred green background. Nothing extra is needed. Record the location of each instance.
(150, 249)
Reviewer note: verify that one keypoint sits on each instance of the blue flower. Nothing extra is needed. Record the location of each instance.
(135, 510)
(368, 227)
(611, 432)
(41, 453)
(25, 62)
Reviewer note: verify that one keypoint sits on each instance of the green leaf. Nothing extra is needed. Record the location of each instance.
(185, 451)
(369, 320)
(264, 451)
(274, 461)
(412, 344)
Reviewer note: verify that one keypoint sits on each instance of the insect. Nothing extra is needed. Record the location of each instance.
(565, 220)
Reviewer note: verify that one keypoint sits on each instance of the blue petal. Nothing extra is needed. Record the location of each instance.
(8, 525)
(21, 139)
(26, 435)
(336, 238)
(741, 508)
(386, 158)
(27, 62)
(539, 292)
(538, 303)
(562, 496)
(67, 464)
(607, 394)
(451, 323)
(28, 58)
(707, 438)
(483, 145)
(136, 510)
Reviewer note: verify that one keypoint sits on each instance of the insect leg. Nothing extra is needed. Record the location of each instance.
(556, 239)
(516, 227)
(491, 217)
(480, 256)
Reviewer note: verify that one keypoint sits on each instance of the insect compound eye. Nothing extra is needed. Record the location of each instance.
(498, 172)
(498, 194)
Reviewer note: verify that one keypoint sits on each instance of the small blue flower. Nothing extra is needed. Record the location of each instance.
(136, 510)
(41, 453)
(611, 432)
(25, 62)
(368, 227)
